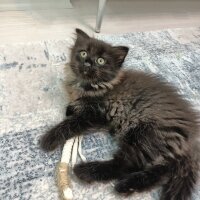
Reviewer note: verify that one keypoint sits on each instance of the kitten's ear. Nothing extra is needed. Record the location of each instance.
(121, 52)
(81, 34)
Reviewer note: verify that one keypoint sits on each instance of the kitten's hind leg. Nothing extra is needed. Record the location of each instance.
(142, 180)
(98, 170)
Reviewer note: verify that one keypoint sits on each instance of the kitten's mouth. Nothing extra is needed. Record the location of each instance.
(88, 75)
(88, 78)
(85, 72)
(85, 75)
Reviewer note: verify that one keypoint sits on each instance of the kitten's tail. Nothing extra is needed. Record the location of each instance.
(182, 181)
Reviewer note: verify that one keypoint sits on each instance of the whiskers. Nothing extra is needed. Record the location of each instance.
(106, 75)
(100, 81)
(101, 88)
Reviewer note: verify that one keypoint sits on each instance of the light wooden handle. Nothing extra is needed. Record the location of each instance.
(63, 181)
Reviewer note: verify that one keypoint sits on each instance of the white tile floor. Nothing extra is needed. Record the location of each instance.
(33, 22)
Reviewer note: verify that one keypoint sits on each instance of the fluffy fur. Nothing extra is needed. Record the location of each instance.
(155, 127)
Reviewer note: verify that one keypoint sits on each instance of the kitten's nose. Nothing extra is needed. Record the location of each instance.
(87, 64)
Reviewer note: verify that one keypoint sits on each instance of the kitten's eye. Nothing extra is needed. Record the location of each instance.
(83, 54)
(101, 61)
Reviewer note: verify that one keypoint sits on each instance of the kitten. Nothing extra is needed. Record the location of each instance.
(155, 127)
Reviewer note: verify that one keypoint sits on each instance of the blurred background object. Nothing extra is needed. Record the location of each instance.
(28, 20)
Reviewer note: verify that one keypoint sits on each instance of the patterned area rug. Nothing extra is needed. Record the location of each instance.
(32, 100)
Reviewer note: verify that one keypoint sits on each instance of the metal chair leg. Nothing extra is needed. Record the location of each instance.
(101, 9)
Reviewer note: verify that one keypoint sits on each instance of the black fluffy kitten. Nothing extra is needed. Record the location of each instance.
(155, 127)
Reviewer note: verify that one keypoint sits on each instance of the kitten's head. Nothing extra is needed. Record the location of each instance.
(95, 61)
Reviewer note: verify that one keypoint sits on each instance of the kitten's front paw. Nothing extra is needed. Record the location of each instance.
(50, 141)
(123, 187)
(84, 172)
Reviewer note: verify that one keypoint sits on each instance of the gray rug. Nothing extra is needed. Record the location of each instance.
(32, 100)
